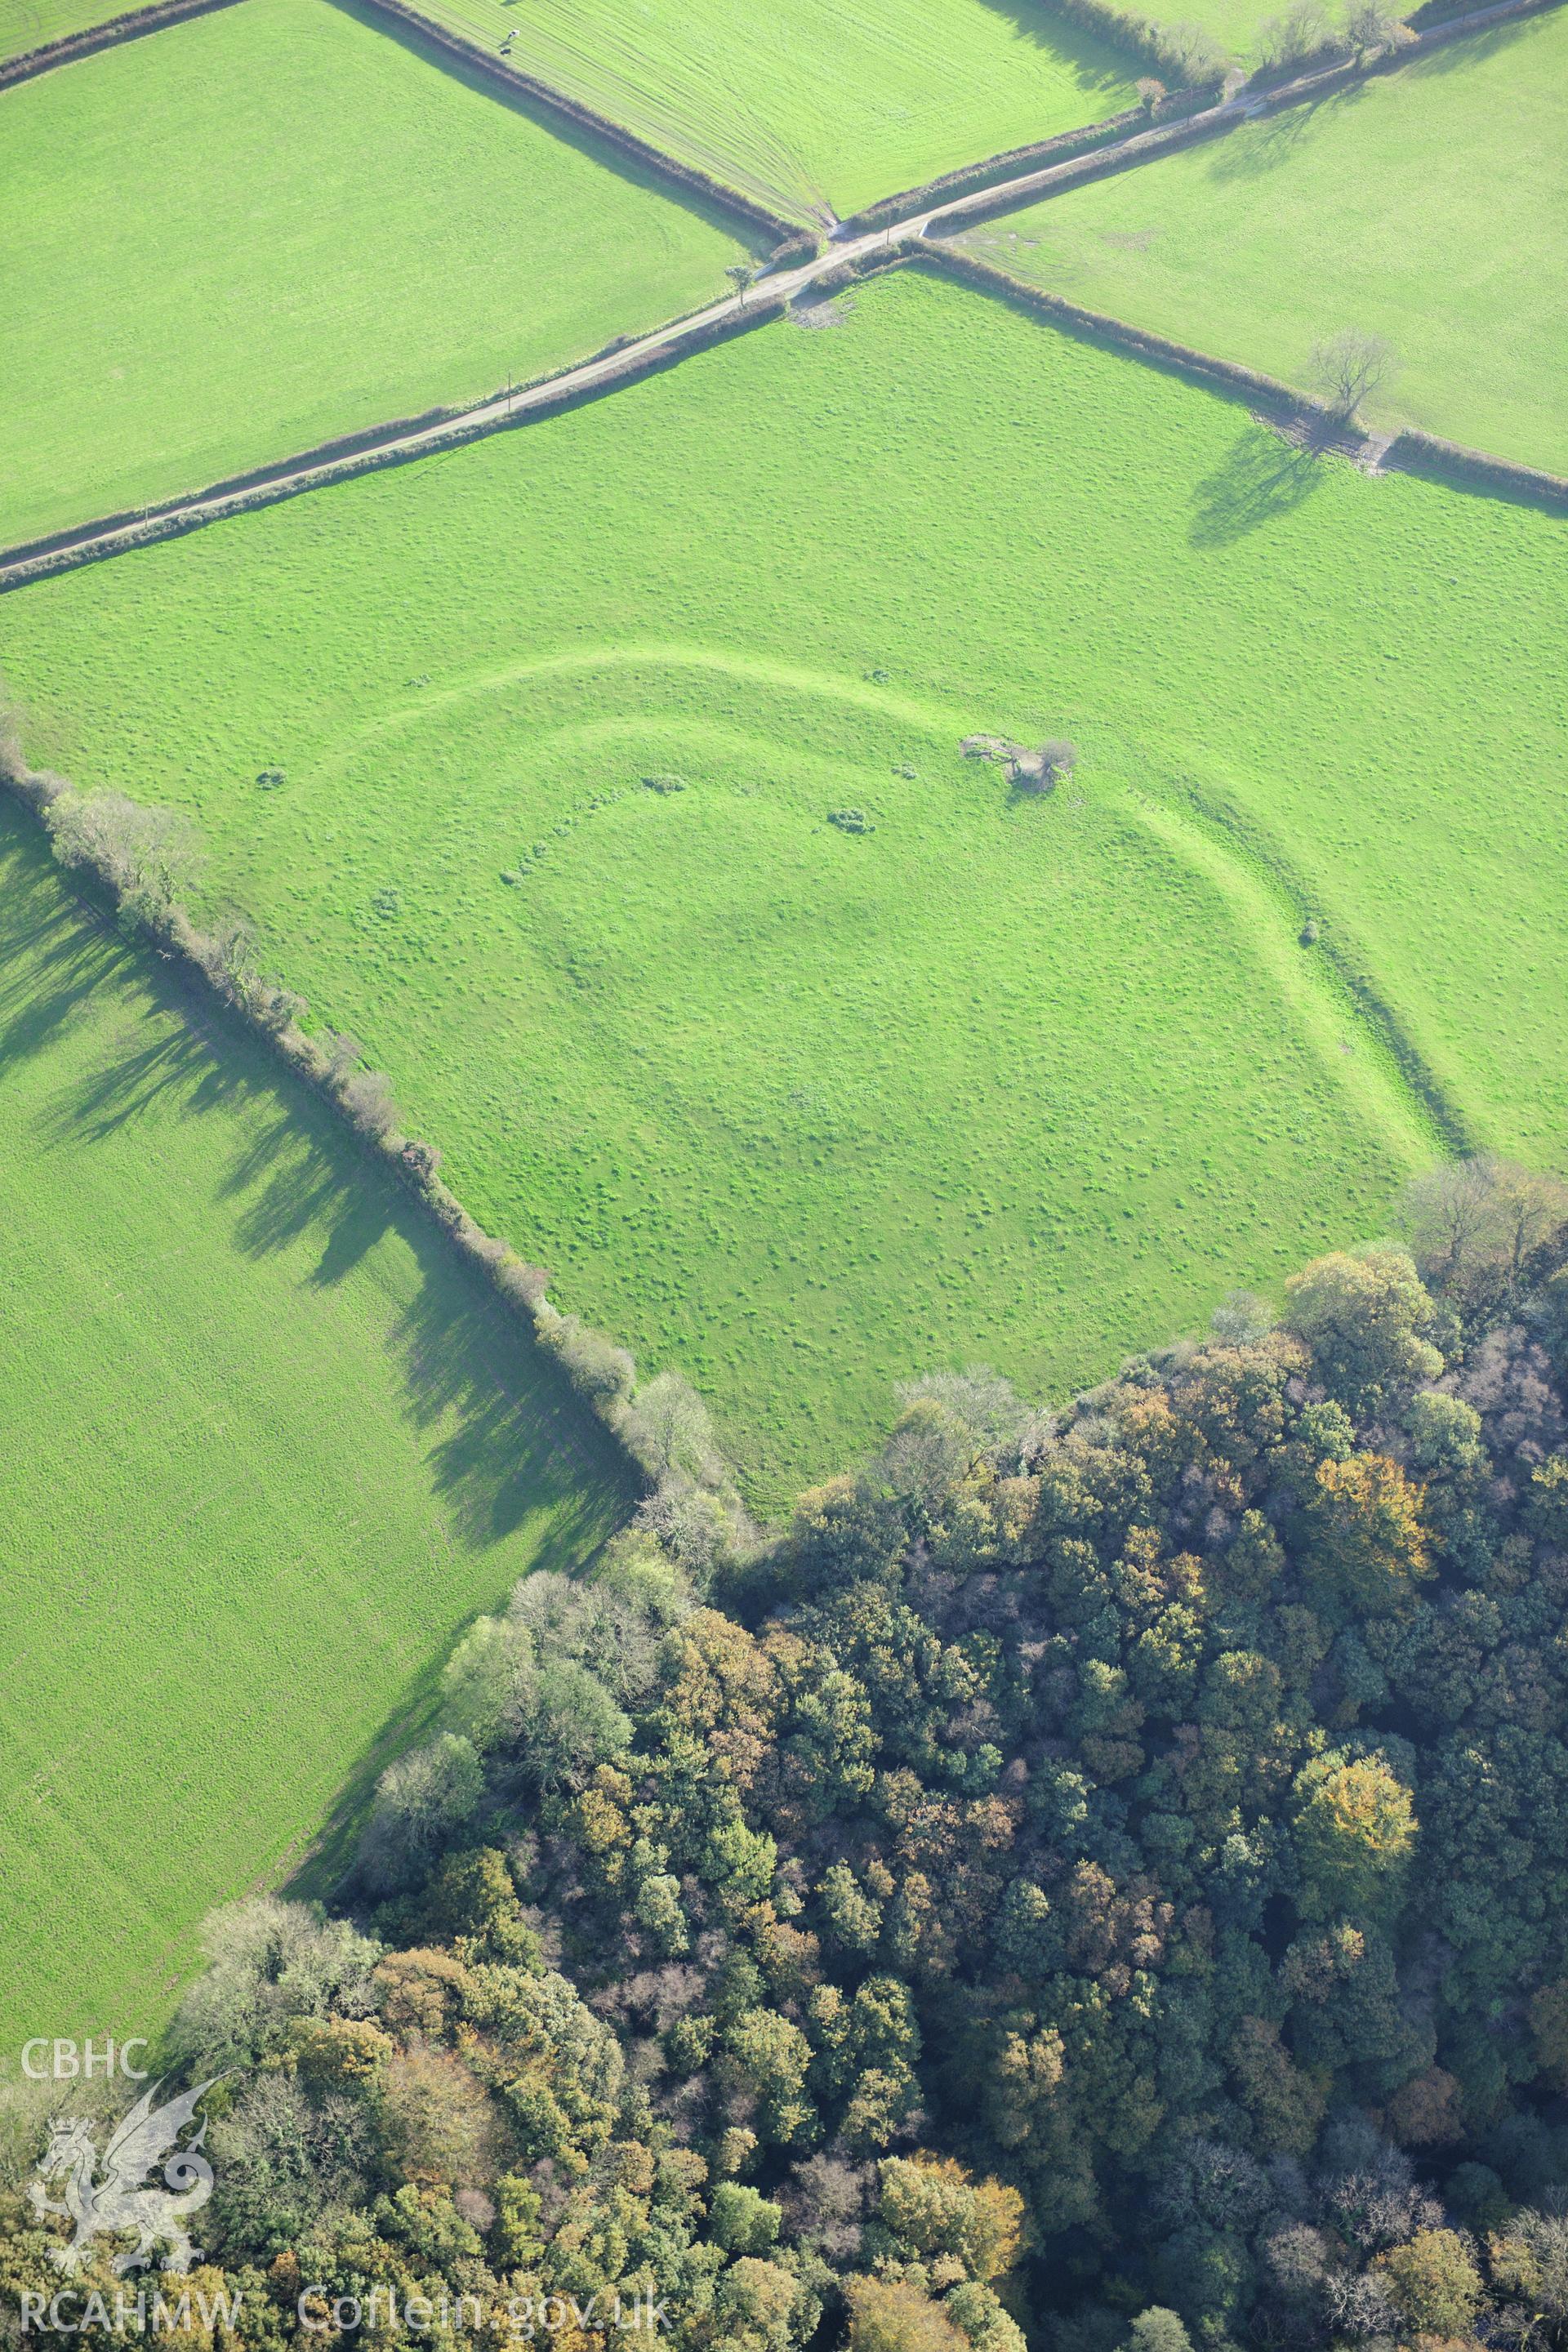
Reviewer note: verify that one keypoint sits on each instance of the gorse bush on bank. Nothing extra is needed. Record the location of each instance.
(1101, 1875)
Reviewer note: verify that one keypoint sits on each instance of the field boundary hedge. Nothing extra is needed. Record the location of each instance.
(329, 463)
(1415, 452)
(343, 456)
(320, 455)
(639, 1416)
(888, 211)
(1439, 20)
(1094, 326)
(346, 444)
(588, 118)
(1101, 159)
(1410, 451)
(130, 27)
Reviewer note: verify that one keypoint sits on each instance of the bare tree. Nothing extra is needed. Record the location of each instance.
(148, 856)
(1150, 93)
(594, 1365)
(1303, 30)
(1447, 1215)
(1530, 1210)
(422, 1160)
(342, 1053)
(1349, 368)
(230, 960)
(1191, 52)
(1371, 25)
(366, 1096)
(669, 1429)
(1475, 1224)
(419, 1801)
(1241, 1319)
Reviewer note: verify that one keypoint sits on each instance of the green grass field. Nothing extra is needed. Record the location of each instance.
(1233, 22)
(803, 1111)
(1236, 23)
(1424, 207)
(266, 1446)
(30, 23)
(205, 274)
(814, 103)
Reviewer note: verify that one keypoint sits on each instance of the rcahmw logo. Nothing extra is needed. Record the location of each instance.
(112, 2195)
(70, 2314)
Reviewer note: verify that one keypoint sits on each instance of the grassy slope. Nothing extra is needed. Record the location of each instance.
(996, 1078)
(1424, 207)
(813, 102)
(266, 1448)
(205, 274)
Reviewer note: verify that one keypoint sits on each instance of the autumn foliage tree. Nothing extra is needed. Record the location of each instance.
(1106, 1872)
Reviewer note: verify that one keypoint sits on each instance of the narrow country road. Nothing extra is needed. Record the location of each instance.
(630, 358)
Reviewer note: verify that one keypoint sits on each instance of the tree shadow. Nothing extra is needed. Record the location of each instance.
(512, 1435)
(508, 1437)
(296, 1188)
(1261, 479)
(1256, 148)
(32, 1017)
(50, 963)
(500, 1437)
(171, 1060)
(321, 1870)
(521, 1444)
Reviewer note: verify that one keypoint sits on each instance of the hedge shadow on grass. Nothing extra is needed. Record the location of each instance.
(30, 1023)
(1466, 48)
(729, 219)
(1043, 28)
(521, 1438)
(166, 1061)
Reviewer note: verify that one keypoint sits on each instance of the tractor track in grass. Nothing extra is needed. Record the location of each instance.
(624, 362)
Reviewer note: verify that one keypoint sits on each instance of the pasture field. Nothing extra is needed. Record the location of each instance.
(267, 1446)
(806, 1110)
(28, 24)
(205, 274)
(813, 105)
(1424, 207)
(1236, 23)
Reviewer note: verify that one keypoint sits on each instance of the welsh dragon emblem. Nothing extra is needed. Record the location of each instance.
(117, 2199)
